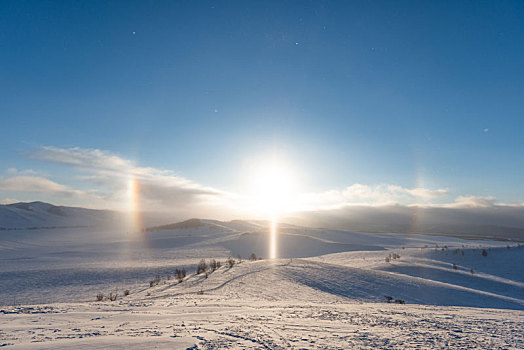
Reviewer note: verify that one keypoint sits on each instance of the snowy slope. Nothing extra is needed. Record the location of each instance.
(45, 215)
(288, 303)
(306, 280)
(73, 264)
(327, 290)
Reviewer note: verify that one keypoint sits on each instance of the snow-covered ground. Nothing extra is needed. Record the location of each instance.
(210, 322)
(328, 289)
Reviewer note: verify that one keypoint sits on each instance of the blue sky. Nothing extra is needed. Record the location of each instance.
(415, 94)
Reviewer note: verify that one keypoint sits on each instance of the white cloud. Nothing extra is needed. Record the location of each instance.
(8, 201)
(472, 202)
(425, 193)
(109, 175)
(83, 158)
(390, 193)
(36, 185)
(359, 194)
(159, 189)
(164, 190)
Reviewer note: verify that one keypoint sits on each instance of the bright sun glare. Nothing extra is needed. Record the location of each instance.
(273, 184)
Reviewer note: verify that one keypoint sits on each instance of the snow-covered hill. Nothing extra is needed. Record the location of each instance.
(72, 264)
(327, 289)
(45, 215)
(328, 281)
(287, 303)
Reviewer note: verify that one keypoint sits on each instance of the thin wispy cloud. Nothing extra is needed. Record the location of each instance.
(473, 202)
(14, 171)
(360, 194)
(107, 178)
(8, 200)
(37, 185)
(159, 189)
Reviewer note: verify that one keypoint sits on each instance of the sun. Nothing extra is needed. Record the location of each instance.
(273, 184)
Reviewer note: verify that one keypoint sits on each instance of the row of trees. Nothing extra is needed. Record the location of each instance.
(180, 274)
(110, 296)
(203, 267)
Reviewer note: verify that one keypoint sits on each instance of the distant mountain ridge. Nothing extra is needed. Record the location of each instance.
(31, 215)
(499, 222)
(195, 223)
(480, 223)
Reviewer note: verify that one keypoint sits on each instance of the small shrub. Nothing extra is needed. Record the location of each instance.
(112, 296)
(399, 301)
(239, 258)
(388, 259)
(126, 292)
(230, 262)
(253, 257)
(180, 274)
(201, 267)
(472, 272)
(200, 292)
(388, 298)
(155, 281)
(484, 252)
(99, 297)
(454, 266)
(213, 264)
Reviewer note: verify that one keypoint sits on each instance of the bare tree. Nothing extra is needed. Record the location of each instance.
(155, 281)
(201, 267)
(180, 274)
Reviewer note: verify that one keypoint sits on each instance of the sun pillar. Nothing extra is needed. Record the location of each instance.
(134, 205)
(273, 227)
